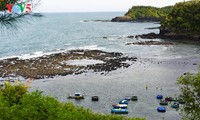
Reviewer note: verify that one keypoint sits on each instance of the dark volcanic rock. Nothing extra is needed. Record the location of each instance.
(96, 21)
(148, 36)
(56, 64)
(122, 19)
(151, 43)
(171, 33)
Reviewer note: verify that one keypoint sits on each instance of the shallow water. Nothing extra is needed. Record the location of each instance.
(158, 66)
(113, 86)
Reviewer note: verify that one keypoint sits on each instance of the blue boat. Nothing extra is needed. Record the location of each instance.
(159, 97)
(122, 106)
(161, 109)
(175, 105)
(127, 98)
(119, 111)
(123, 102)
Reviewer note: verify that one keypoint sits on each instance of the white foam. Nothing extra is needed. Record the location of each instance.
(34, 54)
(91, 47)
(54, 51)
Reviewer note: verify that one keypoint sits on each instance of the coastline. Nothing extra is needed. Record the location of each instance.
(119, 83)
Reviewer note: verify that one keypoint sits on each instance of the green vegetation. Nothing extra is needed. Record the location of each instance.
(16, 103)
(148, 12)
(184, 17)
(190, 88)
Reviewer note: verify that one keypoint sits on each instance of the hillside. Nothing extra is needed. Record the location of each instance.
(184, 18)
(148, 13)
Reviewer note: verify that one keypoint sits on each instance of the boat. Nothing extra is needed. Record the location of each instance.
(119, 111)
(127, 98)
(159, 97)
(123, 102)
(134, 98)
(163, 102)
(175, 105)
(122, 106)
(95, 98)
(76, 96)
(169, 99)
(175, 99)
(161, 109)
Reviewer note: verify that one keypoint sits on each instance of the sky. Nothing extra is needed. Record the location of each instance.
(97, 5)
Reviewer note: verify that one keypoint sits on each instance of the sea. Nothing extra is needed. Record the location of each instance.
(155, 72)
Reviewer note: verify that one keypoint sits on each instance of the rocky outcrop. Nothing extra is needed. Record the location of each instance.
(122, 19)
(151, 43)
(171, 33)
(139, 19)
(96, 21)
(148, 36)
(56, 64)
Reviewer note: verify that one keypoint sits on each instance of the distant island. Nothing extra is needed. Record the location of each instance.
(181, 21)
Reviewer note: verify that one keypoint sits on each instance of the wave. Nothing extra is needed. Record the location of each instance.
(91, 47)
(54, 51)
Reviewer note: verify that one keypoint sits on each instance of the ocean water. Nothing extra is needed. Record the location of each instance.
(66, 31)
(157, 66)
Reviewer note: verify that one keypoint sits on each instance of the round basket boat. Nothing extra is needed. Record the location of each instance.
(95, 98)
(169, 99)
(163, 102)
(161, 109)
(175, 105)
(159, 97)
(134, 98)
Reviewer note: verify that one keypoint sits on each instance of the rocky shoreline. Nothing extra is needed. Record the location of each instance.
(151, 43)
(139, 19)
(168, 35)
(49, 66)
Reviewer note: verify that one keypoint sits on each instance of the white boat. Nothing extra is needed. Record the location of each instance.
(76, 96)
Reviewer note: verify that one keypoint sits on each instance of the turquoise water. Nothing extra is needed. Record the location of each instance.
(65, 31)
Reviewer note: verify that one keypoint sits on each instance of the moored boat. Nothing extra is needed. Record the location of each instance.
(134, 98)
(175, 105)
(122, 106)
(169, 98)
(95, 98)
(159, 97)
(127, 98)
(161, 109)
(119, 111)
(76, 96)
(163, 102)
(123, 102)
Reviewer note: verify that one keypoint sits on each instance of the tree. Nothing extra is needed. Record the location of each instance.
(16, 103)
(184, 17)
(190, 93)
(145, 12)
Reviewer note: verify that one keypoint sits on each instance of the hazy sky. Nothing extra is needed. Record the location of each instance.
(97, 5)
